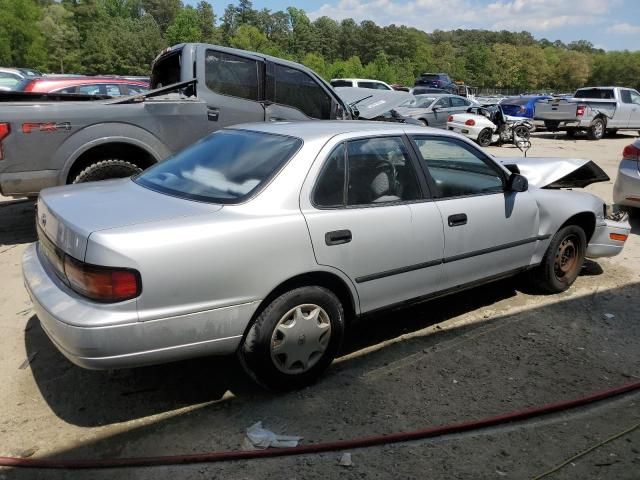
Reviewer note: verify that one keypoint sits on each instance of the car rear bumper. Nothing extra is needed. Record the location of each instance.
(626, 189)
(467, 131)
(602, 244)
(27, 184)
(126, 342)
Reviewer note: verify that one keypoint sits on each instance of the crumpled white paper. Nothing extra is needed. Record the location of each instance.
(260, 438)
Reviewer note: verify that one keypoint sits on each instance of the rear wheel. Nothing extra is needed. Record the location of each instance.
(484, 137)
(106, 169)
(596, 131)
(562, 261)
(294, 339)
(424, 122)
(571, 133)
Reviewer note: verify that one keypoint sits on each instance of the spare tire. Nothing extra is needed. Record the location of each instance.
(106, 169)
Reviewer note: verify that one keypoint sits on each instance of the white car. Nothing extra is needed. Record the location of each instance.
(360, 83)
(488, 124)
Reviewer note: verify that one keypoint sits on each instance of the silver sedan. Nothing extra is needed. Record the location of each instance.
(267, 239)
(626, 189)
(433, 110)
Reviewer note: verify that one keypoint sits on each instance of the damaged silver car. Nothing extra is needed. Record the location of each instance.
(264, 240)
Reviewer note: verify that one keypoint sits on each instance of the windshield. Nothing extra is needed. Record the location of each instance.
(418, 102)
(166, 70)
(226, 167)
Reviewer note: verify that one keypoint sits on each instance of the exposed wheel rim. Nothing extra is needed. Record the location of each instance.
(522, 132)
(300, 338)
(485, 137)
(566, 262)
(598, 129)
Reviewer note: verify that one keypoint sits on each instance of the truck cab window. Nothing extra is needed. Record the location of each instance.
(299, 90)
(231, 75)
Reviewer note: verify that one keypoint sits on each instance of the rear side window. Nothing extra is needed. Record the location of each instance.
(67, 90)
(341, 83)
(226, 167)
(373, 85)
(625, 96)
(299, 90)
(459, 102)
(96, 89)
(232, 75)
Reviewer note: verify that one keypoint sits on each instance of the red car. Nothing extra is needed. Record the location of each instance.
(86, 85)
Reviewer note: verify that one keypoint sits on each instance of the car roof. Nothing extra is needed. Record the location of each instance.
(359, 80)
(319, 129)
(62, 82)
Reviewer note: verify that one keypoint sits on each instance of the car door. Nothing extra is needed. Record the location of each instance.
(488, 231)
(634, 114)
(233, 87)
(295, 95)
(440, 111)
(459, 105)
(367, 217)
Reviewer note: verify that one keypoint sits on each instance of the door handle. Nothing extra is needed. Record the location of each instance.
(457, 219)
(337, 237)
(213, 114)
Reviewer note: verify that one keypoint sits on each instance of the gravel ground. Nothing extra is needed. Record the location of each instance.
(484, 352)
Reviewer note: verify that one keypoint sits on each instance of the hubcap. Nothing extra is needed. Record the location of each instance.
(598, 128)
(566, 257)
(300, 338)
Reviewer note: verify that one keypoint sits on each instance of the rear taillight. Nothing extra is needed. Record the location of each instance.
(103, 284)
(580, 110)
(631, 152)
(450, 119)
(471, 122)
(5, 130)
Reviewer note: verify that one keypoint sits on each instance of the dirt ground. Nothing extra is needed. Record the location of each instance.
(484, 352)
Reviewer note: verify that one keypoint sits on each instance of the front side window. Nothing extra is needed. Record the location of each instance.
(635, 97)
(113, 90)
(231, 75)
(459, 102)
(625, 96)
(226, 167)
(299, 90)
(457, 170)
(442, 103)
(95, 89)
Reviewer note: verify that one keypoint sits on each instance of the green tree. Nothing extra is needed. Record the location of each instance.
(163, 11)
(207, 22)
(61, 38)
(185, 27)
(21, 41)
(248, 37)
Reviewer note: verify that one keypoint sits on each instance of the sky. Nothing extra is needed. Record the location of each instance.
(608, 24)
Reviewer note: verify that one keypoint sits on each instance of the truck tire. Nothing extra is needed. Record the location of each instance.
(597, 128)
(106, 169)
(571, 132)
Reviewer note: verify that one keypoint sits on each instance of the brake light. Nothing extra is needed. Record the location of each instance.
(5, 130)
(631, 152)
(103, 284)
(450, 119)
(580, 110)
(471, 122)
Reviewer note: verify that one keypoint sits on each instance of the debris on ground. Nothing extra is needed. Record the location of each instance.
(609, 316)
(28, 361)
(345, 460)
(260, 438)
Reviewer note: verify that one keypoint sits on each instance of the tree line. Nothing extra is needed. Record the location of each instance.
(124, 36)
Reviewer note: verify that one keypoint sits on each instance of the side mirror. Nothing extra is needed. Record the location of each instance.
(435, 109)
(517, 183)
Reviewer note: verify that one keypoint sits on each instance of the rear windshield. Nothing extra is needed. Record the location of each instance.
(515, 101)
(226, 167)
(166, 71)
(602, 93)
(341, 83)
(430, 76)
(418, 102)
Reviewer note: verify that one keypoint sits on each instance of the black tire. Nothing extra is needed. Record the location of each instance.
(521, 132)
(424, 122)
(484, 137)
(597, 129)
(611, 132)
(551, 126)
(571, 133)
(267, 367)
(106, 169)
(562, 261)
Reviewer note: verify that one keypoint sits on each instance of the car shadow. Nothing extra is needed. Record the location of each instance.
(505, 363)
(17, 222)
(92, 398)
(634, 221)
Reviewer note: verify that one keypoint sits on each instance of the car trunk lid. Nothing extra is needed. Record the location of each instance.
(68, 215)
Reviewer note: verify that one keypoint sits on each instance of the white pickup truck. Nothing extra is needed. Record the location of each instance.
(594, 110)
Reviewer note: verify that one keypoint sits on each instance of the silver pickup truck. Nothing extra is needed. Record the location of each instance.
(594, 110)
(46, 142)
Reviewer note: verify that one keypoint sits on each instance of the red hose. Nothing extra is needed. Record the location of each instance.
(361, 442)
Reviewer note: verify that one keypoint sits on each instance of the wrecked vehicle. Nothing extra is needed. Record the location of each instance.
(376, 105)
(340, 219)
(595, 111)
(48, 140)
(488, 124)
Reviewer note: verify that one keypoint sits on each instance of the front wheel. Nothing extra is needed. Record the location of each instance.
(294, 339)
(521, 132)
(484, 137)
(562, 261)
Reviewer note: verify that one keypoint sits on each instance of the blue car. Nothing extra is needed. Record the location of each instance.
(522, 105)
